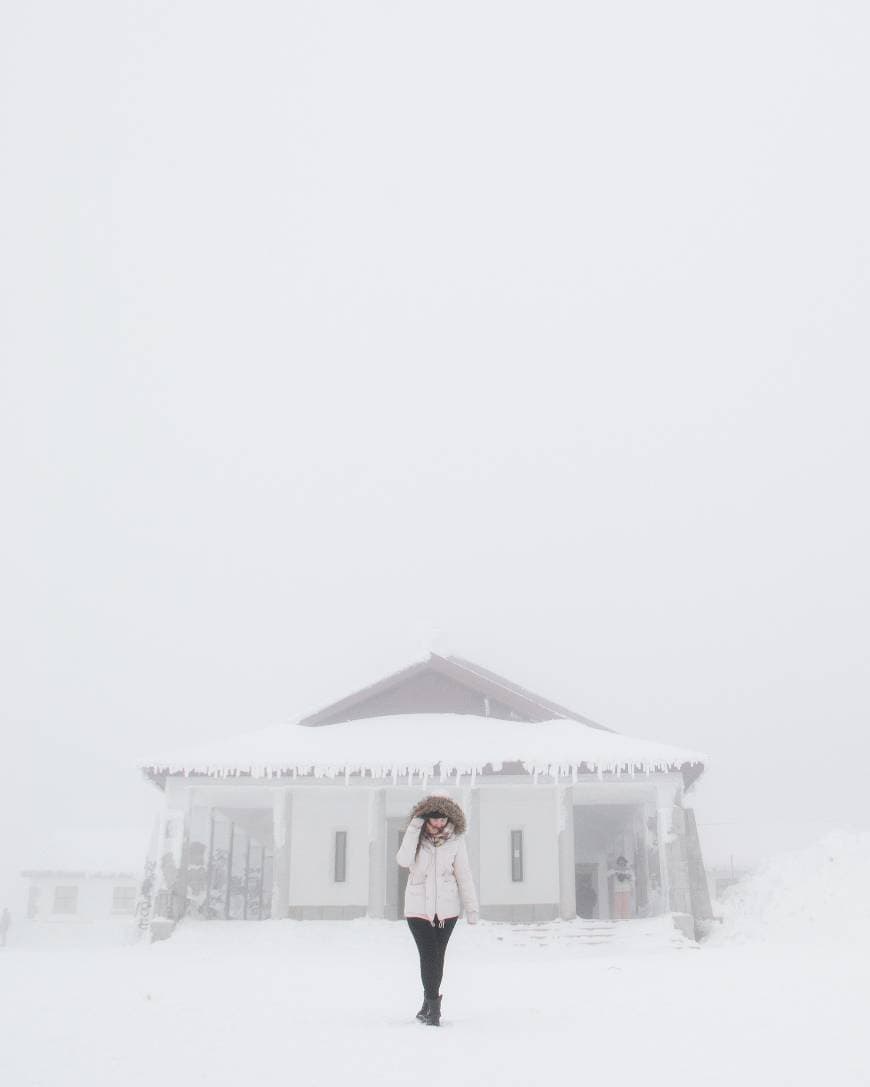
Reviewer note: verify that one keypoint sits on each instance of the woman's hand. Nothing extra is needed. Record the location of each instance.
(473, 917)
(408, 848)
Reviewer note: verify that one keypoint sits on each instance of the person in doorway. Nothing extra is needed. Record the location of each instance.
(439, 881)
(587, 900)
(5, 922)
(623, 880)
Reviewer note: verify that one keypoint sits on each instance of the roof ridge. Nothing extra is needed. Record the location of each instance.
(524, 692)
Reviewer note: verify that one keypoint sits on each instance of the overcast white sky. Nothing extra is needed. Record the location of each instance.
(325, 325)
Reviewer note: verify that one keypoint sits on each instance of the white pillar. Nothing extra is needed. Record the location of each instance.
(169, 860)
(182, 846)
(565, 826)
(663, 832)
(149, 908)
(644, 866)
(471, 807)
(281, 812)
(377, 852)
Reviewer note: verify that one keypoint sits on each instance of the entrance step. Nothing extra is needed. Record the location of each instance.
(642, 934)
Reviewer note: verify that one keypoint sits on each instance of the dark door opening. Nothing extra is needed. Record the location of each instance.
(586, 890)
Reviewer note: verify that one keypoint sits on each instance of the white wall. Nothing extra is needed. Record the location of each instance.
(315, 817)
(320, 808)
(531, 809)
(95, 895)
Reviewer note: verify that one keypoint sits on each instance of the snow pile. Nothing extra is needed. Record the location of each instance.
(814, 895)
(412, 745)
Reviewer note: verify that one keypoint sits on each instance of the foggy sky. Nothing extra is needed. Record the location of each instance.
(327, 326)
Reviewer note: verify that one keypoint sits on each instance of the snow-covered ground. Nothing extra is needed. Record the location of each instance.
(326, 1002)
(775, 998)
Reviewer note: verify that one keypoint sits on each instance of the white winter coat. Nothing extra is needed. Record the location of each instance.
(439, 879)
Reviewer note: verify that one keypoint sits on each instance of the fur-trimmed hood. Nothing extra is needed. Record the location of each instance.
(444, 806)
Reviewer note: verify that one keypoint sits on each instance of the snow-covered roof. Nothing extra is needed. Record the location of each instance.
(415, 744)
(91, 852)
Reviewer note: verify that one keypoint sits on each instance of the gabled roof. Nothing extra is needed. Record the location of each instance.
(442, 715)
(553, 709)
(522, 704)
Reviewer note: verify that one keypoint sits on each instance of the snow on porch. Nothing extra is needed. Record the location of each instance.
(414, 745)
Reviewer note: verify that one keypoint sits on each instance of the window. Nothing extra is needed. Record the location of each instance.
(340, 856)
(123, 899)
(66, 900)
(516, 856)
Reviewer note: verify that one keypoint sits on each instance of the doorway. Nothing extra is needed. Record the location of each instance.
(586, 890)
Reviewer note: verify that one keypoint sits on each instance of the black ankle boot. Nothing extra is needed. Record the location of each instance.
(433, 1011)
(421, 1014)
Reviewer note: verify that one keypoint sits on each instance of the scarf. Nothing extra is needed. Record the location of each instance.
(441, 836)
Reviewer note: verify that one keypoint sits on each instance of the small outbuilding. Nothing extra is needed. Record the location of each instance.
(84, 885)
(303, 820)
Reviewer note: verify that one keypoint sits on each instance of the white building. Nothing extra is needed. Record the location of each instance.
(303, 820)
(75, 895)
(83, 880)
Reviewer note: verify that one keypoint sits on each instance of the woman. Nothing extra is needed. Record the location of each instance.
(439, 878)
(623, 878)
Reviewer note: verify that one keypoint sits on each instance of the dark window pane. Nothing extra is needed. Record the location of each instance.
(340, 855)
(516, 855)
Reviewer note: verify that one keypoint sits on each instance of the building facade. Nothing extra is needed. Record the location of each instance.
(303, 821)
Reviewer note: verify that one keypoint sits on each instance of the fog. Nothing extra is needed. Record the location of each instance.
(333, 332)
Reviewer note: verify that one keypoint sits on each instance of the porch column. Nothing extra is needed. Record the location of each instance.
(641, 863)
(282, 805)
(471, 807)
(678, 867)
(377, 853)
(169, 891)
(663, 832)
(153, 882)
(565, 830)
(700, 893)
(181, 856)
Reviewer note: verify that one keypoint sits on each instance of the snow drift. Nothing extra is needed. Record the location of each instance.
(815, 895)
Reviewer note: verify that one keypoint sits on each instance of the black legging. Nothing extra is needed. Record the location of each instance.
(431, 943)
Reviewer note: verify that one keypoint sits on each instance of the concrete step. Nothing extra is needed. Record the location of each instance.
(645, 934)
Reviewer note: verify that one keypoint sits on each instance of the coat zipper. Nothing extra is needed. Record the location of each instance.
(435, 881)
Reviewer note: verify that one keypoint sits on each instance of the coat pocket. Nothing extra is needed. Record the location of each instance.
(418, 870)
